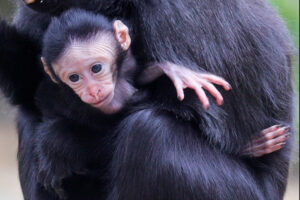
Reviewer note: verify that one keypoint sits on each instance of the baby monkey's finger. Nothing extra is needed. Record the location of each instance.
(179, 88)
(178, 84)
(201, 95)
(213, 91)
(197, 87)
(216, 80)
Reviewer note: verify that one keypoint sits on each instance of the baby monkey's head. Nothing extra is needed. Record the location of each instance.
(84, 50)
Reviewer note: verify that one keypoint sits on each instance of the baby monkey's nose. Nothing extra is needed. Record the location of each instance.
(94, 91)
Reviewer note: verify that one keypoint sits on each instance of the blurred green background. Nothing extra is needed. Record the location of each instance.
(289, 11)
(9, 185)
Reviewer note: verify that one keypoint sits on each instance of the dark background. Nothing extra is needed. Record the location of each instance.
(9, 184)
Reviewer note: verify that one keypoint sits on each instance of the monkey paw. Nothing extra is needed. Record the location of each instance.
(270, 140)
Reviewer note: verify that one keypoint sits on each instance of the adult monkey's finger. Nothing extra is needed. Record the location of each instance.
(268, 150)
(270, 133)
(275, 147)
(276, 133)
(281, 139)
(270, 143)
(272, 128)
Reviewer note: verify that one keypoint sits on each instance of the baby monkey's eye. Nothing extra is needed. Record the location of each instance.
(96, 68)
(74, 78)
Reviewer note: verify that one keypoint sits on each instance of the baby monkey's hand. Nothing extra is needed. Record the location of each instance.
(183, 78)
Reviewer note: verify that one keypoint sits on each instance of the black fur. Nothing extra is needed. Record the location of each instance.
(74, 146)
(167, 149)
(75, 24)
(21, 86)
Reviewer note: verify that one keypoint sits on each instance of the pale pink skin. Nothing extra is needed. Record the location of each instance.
(183, 78)
(99, 89)
(94, 89)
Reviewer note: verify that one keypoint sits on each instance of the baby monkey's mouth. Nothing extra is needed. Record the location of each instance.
(99, 103)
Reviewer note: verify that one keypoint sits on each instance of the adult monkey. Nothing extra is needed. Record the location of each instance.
(248, 45)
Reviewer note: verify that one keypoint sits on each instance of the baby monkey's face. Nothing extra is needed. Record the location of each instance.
(89, 68)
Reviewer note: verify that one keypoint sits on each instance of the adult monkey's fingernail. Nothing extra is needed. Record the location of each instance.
(29, 1)
(282, 144)
(287, 128)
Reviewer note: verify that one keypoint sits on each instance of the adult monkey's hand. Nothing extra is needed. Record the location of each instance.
(54, 7)
(268, 141)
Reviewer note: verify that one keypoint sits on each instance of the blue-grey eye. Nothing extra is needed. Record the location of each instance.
(96, 68)
(74, 78)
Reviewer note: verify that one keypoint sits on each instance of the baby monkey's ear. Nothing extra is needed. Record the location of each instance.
(122, 34)
(47, 69)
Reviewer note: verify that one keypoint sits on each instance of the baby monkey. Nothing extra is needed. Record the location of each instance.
(92, 56)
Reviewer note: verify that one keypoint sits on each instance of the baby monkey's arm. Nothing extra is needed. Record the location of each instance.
(183, 78)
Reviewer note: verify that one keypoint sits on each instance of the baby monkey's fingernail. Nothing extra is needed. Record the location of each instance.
(180, 98)
(229, 86)
(282, 144)
(287, 135)
(221, 102)
(278, 126)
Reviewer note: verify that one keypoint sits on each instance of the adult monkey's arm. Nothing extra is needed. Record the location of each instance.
(19, 72)
(227, 39)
